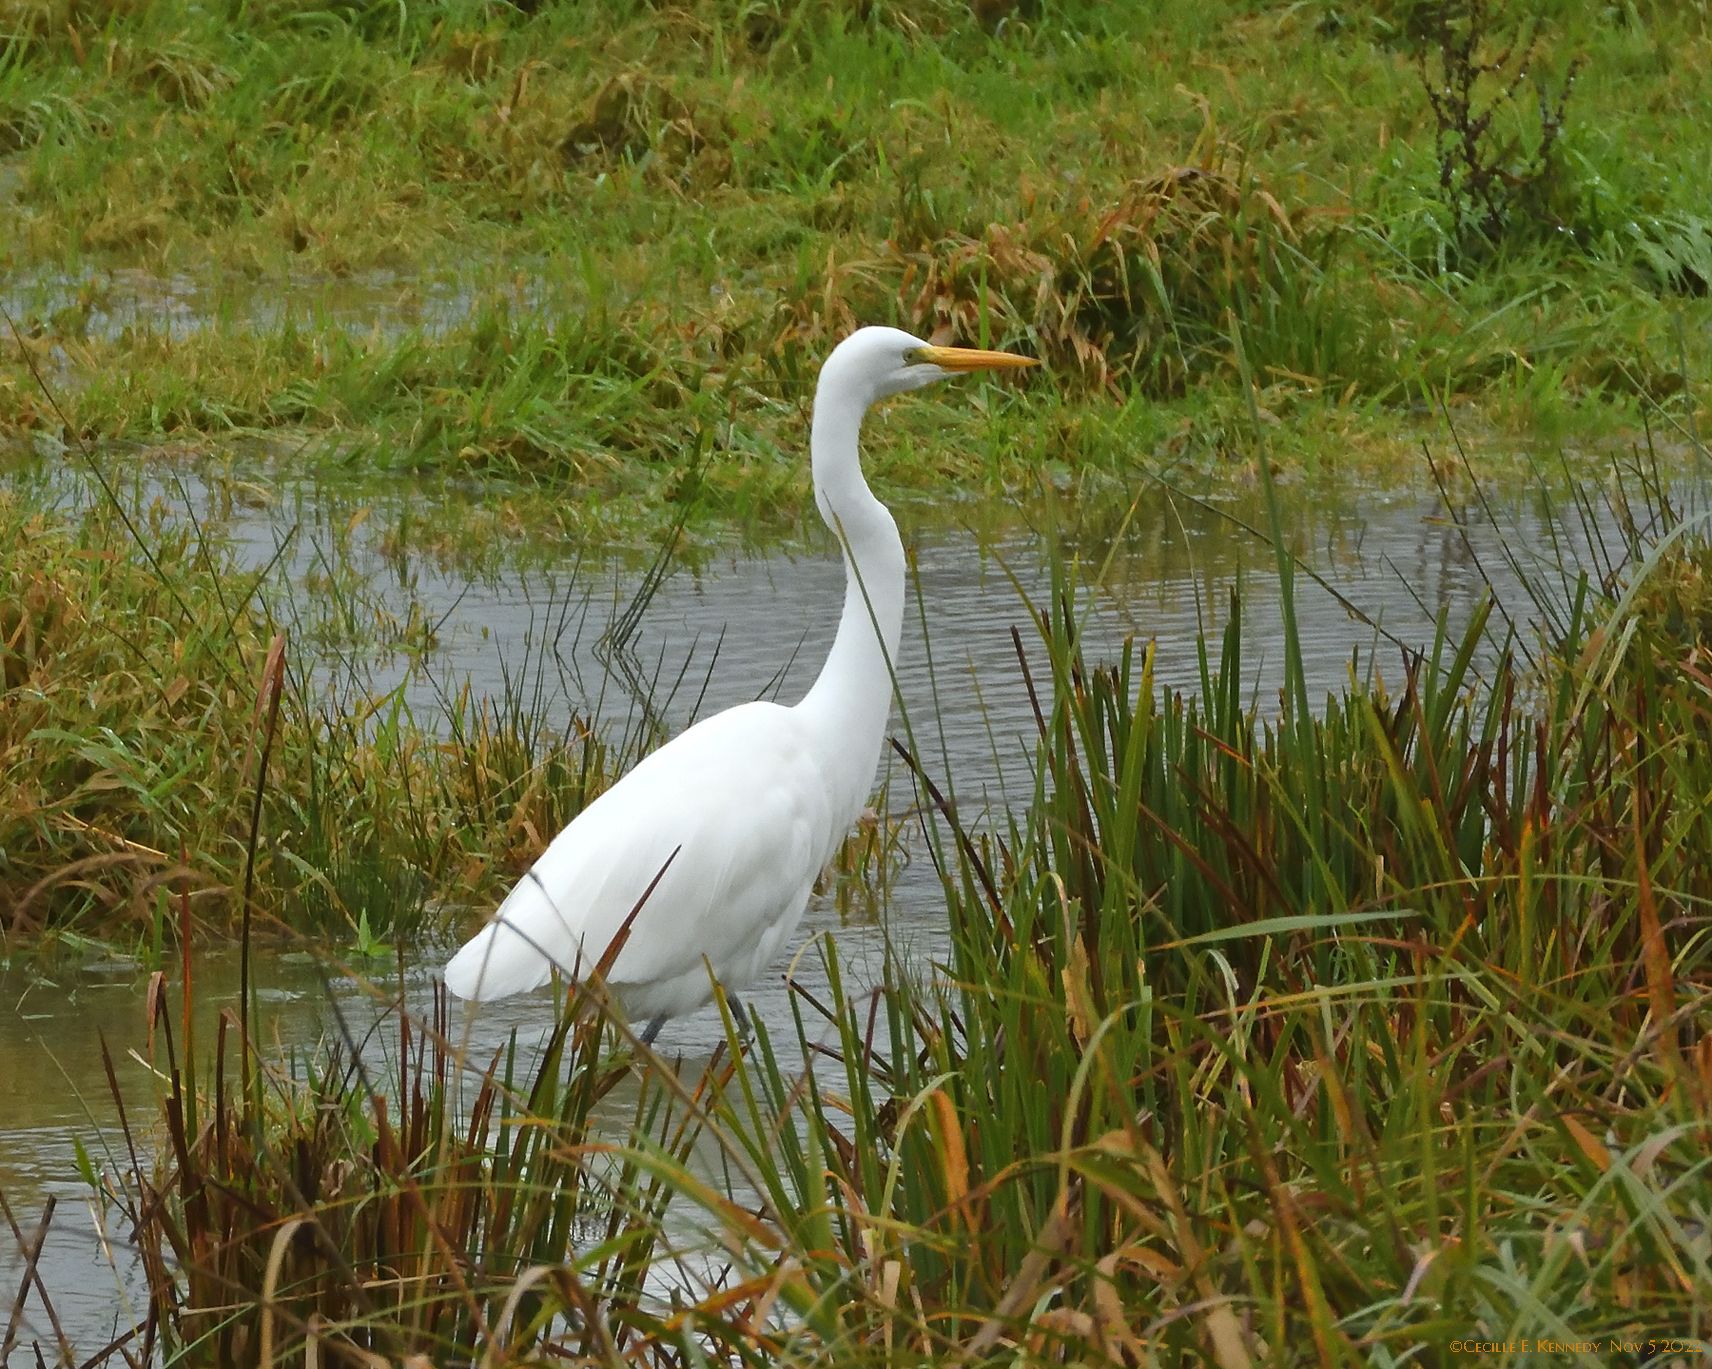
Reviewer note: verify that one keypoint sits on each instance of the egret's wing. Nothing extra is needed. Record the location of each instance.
(729, 817)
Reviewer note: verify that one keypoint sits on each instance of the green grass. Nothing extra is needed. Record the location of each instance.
(1305, 1036)
(604, 247)
(138, 671)
(1326, 1034)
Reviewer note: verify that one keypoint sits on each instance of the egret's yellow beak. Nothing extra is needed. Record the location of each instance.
(972, 359)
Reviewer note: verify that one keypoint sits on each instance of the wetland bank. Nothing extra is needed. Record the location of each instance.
(1289, 946)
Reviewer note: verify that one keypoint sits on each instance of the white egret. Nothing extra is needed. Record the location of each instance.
(737, 816)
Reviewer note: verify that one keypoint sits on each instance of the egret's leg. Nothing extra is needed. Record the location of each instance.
(738, 1015)
(653, 1029)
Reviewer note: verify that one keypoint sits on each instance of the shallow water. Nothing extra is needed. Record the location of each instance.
(104, 304)
(730, 627)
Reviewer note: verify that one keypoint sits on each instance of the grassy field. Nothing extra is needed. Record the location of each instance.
(602, 247)
(1293, 1031)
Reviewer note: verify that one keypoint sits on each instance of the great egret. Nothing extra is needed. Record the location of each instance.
(736, 817)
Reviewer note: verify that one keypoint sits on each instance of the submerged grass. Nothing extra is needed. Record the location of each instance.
(1308, 1034)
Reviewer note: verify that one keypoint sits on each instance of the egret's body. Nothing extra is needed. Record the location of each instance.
(738, 815)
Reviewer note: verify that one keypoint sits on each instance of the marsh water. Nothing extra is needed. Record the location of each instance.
(721, 626)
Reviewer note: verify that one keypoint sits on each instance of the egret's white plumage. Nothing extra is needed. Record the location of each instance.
(738, 815)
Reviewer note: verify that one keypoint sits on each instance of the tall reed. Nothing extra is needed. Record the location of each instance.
(1334, 1033)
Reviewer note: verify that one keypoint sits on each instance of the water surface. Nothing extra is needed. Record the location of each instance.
(722, 627)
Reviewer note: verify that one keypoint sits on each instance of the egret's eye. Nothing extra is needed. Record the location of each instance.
(915, 356)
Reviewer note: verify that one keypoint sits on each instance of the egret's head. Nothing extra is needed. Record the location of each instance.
(875, 362)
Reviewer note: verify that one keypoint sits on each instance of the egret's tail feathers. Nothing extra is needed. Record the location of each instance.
(497, 962)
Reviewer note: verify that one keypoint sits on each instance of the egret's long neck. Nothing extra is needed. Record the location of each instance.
(851, 699)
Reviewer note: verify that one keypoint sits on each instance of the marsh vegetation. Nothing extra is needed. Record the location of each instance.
(1330, 1022)
(602, 248)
